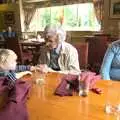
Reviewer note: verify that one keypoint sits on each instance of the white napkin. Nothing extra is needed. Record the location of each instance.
(21, 74)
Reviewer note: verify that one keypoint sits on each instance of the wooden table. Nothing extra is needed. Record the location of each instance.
(30, 43)
(33, 46)
(44, 105)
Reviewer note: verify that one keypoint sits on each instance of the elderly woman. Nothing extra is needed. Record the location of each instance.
(58, 54)
(110, 68)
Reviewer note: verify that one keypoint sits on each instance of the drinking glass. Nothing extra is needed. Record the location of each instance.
(39, 80)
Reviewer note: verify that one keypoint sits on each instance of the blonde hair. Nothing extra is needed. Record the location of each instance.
(5, 54)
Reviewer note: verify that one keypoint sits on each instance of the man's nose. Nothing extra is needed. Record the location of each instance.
(47, 43)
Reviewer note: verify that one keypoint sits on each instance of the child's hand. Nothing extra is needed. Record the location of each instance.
(21, 74)
(32, 68)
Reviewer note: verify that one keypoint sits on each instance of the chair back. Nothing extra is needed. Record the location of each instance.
(97, 48)
(13, 44)
(82, 48)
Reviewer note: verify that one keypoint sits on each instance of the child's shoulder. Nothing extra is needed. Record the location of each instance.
(4, 73)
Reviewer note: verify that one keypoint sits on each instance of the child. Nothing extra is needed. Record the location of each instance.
(8, 66)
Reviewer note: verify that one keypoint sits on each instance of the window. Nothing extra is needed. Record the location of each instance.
(76, 17)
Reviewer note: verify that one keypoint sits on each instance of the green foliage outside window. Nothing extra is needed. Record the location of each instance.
(79, 17)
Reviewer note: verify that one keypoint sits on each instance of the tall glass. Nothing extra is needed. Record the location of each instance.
(39, 80)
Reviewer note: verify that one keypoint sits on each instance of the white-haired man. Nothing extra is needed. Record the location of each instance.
(58, 54)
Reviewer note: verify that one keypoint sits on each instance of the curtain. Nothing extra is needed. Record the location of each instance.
(28, 13)
(98, 5)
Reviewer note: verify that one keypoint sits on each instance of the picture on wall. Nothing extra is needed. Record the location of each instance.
(9, 18)
(114, 8)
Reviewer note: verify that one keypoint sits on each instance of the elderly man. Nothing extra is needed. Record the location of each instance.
(58, 54)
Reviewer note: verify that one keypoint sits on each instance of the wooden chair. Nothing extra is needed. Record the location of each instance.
(82, 48)
(97, 48)
(13, 44)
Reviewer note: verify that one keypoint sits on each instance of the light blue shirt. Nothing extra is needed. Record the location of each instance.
(110, 68)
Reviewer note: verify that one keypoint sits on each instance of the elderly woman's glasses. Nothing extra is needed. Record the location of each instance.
(50, 39)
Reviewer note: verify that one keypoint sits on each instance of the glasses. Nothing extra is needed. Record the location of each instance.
(50, 38)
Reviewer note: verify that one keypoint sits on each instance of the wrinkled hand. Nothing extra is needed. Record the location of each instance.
(42, 68)
(89, 80)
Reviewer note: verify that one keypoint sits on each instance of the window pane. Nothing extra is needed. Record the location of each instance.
(70, 17)
(44, 18)
(86, 17)
(57, 15)
(79, 17)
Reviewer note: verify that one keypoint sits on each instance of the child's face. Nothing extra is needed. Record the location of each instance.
(11, 63)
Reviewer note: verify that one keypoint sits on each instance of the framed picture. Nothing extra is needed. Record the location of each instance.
(9, 17)
(114, 8)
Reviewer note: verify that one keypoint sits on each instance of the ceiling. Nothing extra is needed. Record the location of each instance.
(28, 3)
(34, 1)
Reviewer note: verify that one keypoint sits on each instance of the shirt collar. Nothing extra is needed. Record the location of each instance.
(57, 50)
(3, 73)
